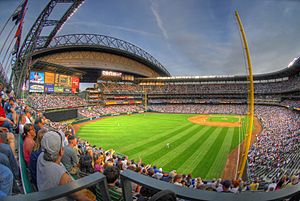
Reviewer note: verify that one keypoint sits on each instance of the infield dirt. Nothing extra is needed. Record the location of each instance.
(203, 120)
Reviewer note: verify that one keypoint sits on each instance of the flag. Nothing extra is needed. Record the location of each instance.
(19, 30)
(18, 14)
(19, 20)
(17, 45)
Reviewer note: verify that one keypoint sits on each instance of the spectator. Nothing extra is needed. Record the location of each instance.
(6, 181)
(38, 124)
(70, 158)
(22, 123)
(7, 138)
(235, 188)
(158, 174)
(5, 122)
(226, 186)
(98, 161)
(29, 135)
(254, 185)
(86, 162)
(112, 175)
(8, 159)
(50, 172)
(294, 181)
(177, 180)
(10, 110)
(29, 118)
(36, 151)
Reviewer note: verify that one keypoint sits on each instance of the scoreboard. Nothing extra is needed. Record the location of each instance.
(48, 82)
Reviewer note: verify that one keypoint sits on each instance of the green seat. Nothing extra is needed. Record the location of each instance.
(27, 186)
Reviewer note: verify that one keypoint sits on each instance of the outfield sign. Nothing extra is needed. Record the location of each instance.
(37, 77)
(49, 88)
(36, 88)
(58, 89)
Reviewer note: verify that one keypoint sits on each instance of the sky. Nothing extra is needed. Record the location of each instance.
(188, 37)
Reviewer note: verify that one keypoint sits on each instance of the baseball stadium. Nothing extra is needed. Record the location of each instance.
(137, 132)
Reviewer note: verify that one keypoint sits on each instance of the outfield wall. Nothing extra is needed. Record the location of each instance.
(61, 115)
(82, 120)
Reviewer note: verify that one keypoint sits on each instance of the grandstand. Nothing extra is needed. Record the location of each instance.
(129, 82)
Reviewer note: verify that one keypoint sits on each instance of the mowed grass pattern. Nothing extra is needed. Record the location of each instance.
(197, 149)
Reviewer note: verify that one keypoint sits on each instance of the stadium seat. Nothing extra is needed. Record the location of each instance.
(27, 185)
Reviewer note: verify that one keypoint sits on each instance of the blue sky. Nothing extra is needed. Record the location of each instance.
(189, 37)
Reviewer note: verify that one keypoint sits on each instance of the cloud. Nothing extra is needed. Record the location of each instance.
(272, 35)
(193, 37)
(97, 24)
(155, 11)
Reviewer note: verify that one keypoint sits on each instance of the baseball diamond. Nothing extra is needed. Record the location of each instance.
(192, 144)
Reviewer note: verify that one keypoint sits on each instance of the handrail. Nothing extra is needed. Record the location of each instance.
(67, 189)
(128, 176)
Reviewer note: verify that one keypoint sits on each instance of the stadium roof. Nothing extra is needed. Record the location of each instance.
(102, 43)
(51, 67)
(292, 70)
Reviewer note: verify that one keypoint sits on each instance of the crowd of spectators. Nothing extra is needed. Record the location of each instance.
(200, 88)
(194, 101)
(17, 118)
(121, 88)
(46, 101)
(291, 103)
(9, 169)
(275, 151)
(200, 109)
(98, 110)
(219, 88)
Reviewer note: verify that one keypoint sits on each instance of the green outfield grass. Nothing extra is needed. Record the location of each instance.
(197, 149)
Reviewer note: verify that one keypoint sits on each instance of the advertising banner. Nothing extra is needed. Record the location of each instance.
(49, 78)
(75, 85)
(49, 88)
(58, 89)
(67, 90)
(111, 103)
(64, 80)
(36, 88)
(75, 82)
(37, 77)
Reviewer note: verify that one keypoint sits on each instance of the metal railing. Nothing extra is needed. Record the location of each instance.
(66, 190)
(127, 177)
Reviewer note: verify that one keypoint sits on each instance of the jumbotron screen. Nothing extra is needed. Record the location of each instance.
(49, 82)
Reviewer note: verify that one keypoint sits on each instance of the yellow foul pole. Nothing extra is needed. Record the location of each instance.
(250, 99)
